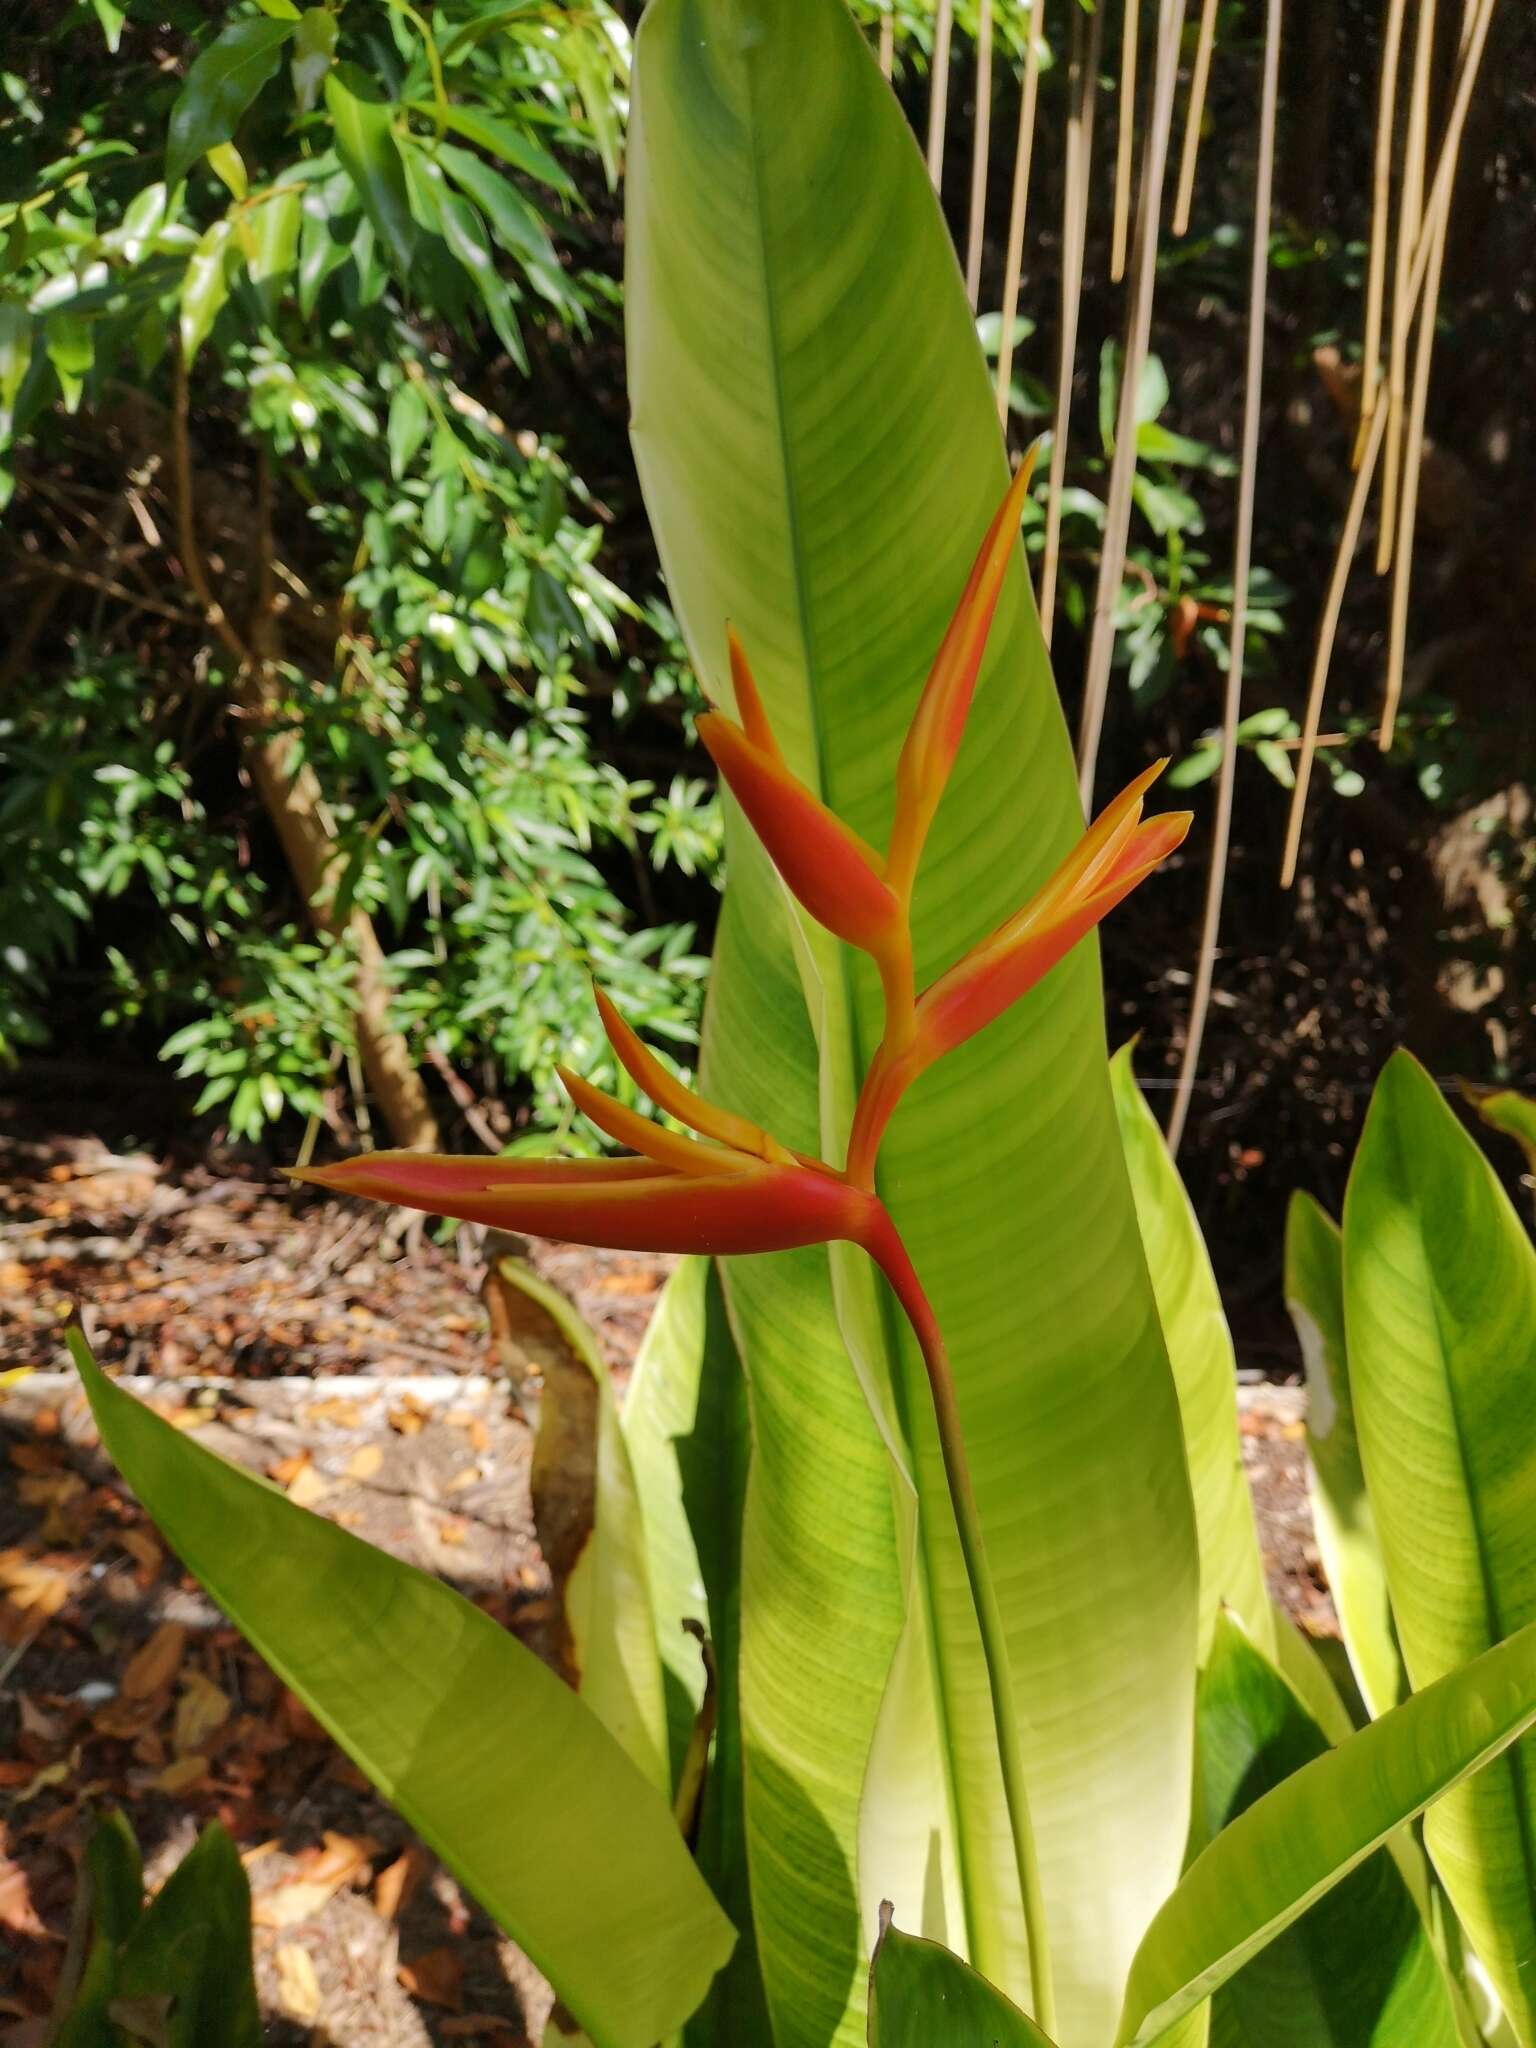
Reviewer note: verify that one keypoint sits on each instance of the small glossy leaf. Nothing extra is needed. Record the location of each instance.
(921, 1995)
(1285, 1852)
(1341, 1507)
(71, 345)
(1440, 1318)
(205, 287)
(1504, 1109)
(365, 142)
(314, 50)
(408, 423)
(1355, 1971)
(512, 144)
(15, 357)
(532, 1803)
(219, 87)
(513, 221)
(274, 230)
(228, 166)
(111, 17)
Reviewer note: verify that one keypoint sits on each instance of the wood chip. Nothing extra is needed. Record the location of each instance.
(298, 1988)
(365, 1462)
(201, 1711)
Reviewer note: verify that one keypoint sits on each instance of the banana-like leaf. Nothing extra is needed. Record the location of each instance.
(1204, 1370)
(1272, 1862)
(685, 1421)
(1357, 1970)
(1440, 1309)
(590, 1522)
(820, 454)
(474, 1741)
(921, 1995)
(1341, 1507)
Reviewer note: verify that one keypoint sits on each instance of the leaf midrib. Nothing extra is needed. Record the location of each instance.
(894, 1357)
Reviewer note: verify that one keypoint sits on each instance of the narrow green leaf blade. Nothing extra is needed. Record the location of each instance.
(497, 1765)
(686, 1424)
(366, 144)
(219, 87)
(1356, 1970)
(1440, 1316)
(1204, 1369)
(1341, 1508)
(1271, 1863)
(921, 1995)
(193, 1948)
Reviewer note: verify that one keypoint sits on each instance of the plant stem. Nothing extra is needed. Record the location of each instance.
(890, 1254)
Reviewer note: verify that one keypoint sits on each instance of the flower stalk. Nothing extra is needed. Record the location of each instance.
(733, 1188)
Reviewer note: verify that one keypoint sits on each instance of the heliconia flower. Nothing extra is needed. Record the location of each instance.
(933, 738)
(740, 1191)
(838, 876)
(1117, 852)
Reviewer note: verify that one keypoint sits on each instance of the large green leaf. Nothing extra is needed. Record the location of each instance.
(685, 1420)
(922, 1995)
(820, 454)
(1272, 1862)
(497, 1765)
(1440, 1311)
(1356, 1970)
(219, 87)
(1341, 1507)
(1204, 1369)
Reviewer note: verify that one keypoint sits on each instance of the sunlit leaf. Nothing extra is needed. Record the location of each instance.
(219, 87)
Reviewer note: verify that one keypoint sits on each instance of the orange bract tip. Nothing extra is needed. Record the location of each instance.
(933, 739)
(669, 1094)
(750, 715)
(667, 1148)
(837, 875)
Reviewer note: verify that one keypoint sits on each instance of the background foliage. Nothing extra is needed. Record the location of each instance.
(384, 242)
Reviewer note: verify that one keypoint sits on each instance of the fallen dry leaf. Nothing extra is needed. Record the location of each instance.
(33, 1457)
(182, 1774)
(473, 2023)
(298, 1988)
(454, 1530)
(409, 1417)
(318, 1875)
(32, 1590)
(285, 1470)
(146, 1553)
(436, 1977)
(16, 1909)
(156, 1664)
(397, 1882)
(365, 1463)
(201, 1711)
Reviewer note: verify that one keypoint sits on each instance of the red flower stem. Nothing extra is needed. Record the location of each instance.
(890, 1254)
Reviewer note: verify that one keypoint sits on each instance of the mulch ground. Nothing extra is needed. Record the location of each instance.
(350, 1361)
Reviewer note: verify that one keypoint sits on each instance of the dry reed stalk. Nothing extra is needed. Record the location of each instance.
(1221, 833)
(1381, 194)
(981, 142)
(938, 101)
(1195, 117)
(1125, 138)
(1013, 262)
(1410, 220)
(1349, 540)
(887, 44)
(1083, 79)
(1437, 225)
(1122, 474)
